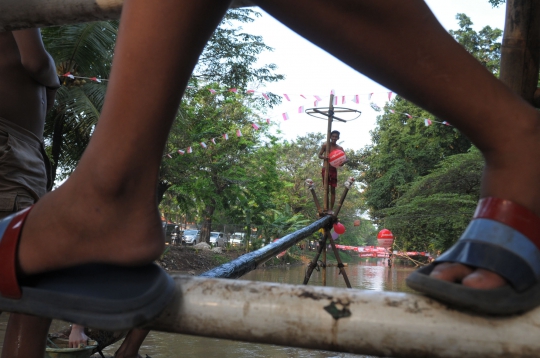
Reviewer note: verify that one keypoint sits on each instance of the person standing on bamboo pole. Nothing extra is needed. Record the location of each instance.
(332, 173)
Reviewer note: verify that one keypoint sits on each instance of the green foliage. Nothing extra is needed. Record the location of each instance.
(83, 50)
(436, 208)
(403, 149)
(482, 45)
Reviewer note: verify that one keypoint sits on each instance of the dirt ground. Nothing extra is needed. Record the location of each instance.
(186, 259)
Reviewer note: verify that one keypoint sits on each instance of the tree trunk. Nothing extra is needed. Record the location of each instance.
(207, 223)
(520, 50)
(56, 145)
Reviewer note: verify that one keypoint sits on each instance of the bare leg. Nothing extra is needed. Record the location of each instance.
(437, 74)
(25, 336)
(112, 192)
(131, 344)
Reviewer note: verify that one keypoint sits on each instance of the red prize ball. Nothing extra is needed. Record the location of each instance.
(339, 228)
(337, 157)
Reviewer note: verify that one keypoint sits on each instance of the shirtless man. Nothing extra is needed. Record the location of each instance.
(111, 194)
(28, 84)
(332, 176)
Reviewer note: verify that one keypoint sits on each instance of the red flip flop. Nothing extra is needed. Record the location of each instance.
(94, 295)
(503, 237)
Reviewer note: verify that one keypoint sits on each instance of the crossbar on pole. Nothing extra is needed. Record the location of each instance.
(347, 320)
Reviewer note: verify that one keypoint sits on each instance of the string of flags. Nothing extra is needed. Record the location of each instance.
(288, 97)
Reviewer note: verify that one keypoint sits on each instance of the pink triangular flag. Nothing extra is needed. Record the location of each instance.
(286, 97)
(285, 116)
(203, 144)
(250, 91)
(233, 90)
(335, 101)
(316, 103)
(356, 98)
(265, 96)
(189, 150)
(95, 79)
(168, 155)
(427, 122)
(212, 91)
(317, 98)
(304, 97)
(181, 152)
(226, 136)
(446, 123)
(391, 111)
(389, 96)
(301, 109)
(213, 140)
(343, 100)
(408, 115)
(256, 127)
(68, 74)
(238, 133)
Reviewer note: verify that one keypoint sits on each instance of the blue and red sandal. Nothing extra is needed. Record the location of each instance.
(503, 237)
(93, 295)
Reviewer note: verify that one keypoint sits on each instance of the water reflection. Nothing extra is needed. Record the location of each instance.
(370, 274)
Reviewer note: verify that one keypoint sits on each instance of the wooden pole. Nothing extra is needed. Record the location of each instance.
(326, 161)
(520, 52)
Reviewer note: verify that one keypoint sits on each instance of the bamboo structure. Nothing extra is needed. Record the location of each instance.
(386, 324)
(19, 14)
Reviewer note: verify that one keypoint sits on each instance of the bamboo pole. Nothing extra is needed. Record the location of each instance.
(20, 14)
(386, 324)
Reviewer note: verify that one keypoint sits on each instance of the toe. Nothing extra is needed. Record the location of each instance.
(452, 272)
(483, 279)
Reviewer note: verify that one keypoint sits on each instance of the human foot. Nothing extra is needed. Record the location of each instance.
(495, 266)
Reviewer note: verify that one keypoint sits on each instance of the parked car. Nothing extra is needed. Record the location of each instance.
(237, 239)
(217, 239)
(191, 237)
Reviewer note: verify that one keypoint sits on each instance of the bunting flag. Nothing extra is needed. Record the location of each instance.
(238, 133)
(189, 150)
(301, 109)
(250, 91)
(392, 111)
(335, 101)
(265, 96)
(213, 140)
(317, 98)
(286, 97)
(389, 96)
(181, 152)
(168, 155)
(369, 96)
(203, 144)
(408, 115)
(343, 100)
(234, 90)
(446, 123)
(225, 136)
(256, 127)
(356, 99)
(69, 75)
(285, 116)
(304, 97)
(212, 91)
(95, 79)
(427, 122)
(375, 106)
(316, 104)
(267, 120)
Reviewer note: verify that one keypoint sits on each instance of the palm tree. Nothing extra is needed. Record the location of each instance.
(84, 50)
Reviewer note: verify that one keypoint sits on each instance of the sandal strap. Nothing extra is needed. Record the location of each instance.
(10, 229)
(496, 247)
(511, 214)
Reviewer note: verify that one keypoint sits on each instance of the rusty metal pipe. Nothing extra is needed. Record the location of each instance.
(386, 324)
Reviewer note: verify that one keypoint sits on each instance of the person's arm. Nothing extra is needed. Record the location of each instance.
(35, 59)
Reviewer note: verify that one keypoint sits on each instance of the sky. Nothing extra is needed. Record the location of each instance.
(312, 72)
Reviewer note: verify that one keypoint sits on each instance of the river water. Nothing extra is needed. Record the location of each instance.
(370, 274)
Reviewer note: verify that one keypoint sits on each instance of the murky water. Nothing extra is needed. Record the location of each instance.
(370, 274)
